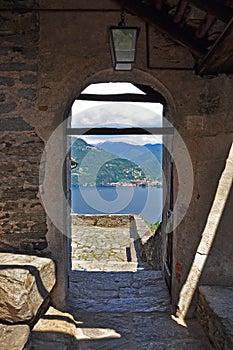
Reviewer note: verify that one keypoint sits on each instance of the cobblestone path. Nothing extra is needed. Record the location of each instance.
(120, 305)
(113, 303)
(126, 310)
(96, 248)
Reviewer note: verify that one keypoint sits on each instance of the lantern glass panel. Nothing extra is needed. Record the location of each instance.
(124, 44)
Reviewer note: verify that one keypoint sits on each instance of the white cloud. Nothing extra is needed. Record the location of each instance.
(126, 114)
(90, 114)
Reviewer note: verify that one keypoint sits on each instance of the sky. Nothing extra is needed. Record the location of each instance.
(89, 114)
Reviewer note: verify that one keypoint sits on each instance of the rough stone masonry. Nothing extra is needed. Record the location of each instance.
(23, 221)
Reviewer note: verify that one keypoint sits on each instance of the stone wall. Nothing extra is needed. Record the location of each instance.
(101, 220)
(23, 220)
(149, 244)
(47, 58)
(205, 123)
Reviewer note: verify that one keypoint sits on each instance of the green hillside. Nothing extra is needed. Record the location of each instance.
(148, 157)
(98, 167)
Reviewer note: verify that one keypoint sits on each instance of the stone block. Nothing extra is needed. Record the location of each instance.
(8, 107)
(13, 337)
(2, 97)
(25, 282)
(29, 79)
(55, 321)
(55, 330)
(18, 67)
(7, 81)
(13, 124)
(215, 314)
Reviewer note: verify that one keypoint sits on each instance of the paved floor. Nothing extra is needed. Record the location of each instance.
(120, 307)
(97, 248)
(125, 310)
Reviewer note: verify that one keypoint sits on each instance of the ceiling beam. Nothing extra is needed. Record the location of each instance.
(165, 24)
(156, 97)
(120, 131)
(147, 90)
(158, 4)
(220, 57)
(180, 11)
(205, 26)
(215, 8)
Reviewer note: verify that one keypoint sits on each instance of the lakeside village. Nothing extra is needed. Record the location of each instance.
(133, 183)
(112, 175)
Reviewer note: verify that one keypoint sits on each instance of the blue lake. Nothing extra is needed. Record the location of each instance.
(147, 201)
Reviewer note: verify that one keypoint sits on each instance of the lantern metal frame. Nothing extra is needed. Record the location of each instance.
(123, 57)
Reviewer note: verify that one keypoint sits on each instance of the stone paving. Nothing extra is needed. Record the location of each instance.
(126, 310)
(121, 306)
(100, 248)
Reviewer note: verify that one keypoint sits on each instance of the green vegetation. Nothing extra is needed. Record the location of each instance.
(119, 171)
(148, 156)
(101, 168)
(153, 226)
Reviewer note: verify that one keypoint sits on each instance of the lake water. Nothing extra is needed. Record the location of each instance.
(146, 201)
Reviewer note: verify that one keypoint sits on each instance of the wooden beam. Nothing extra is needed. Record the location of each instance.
(147, 90)
(205, 26)
(158, 4)
(156, 98)
(220, 57)
(165, 24)
(120, 131)
(215, 8)
(180, 11)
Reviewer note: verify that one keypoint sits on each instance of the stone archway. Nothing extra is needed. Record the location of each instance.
(58, 241)
(167, 239)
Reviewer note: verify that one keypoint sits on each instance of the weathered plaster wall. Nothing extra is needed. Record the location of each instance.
(48, 57)
(205, 123)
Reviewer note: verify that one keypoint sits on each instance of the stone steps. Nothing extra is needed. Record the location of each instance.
(113, 331)
(84, 265)
(125, 310)
(143, 291)
(116, 311)
(215, 314)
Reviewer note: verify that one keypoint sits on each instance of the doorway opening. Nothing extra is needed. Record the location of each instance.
(116, 180)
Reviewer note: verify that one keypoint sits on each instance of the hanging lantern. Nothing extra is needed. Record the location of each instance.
(123, 45)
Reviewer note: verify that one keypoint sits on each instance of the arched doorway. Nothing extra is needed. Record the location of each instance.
(55, 187)
(94, 127)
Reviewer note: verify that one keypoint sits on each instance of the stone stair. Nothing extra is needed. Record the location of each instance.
(144, 291)
(215, 314)
(126, 310)
(116, 311)
(114, 302)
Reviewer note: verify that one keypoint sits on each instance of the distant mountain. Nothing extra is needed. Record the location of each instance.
(99, 167)
(148, 156)
(156, 149)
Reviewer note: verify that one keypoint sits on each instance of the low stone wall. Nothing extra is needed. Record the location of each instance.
(149, 244)
(102, 220)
